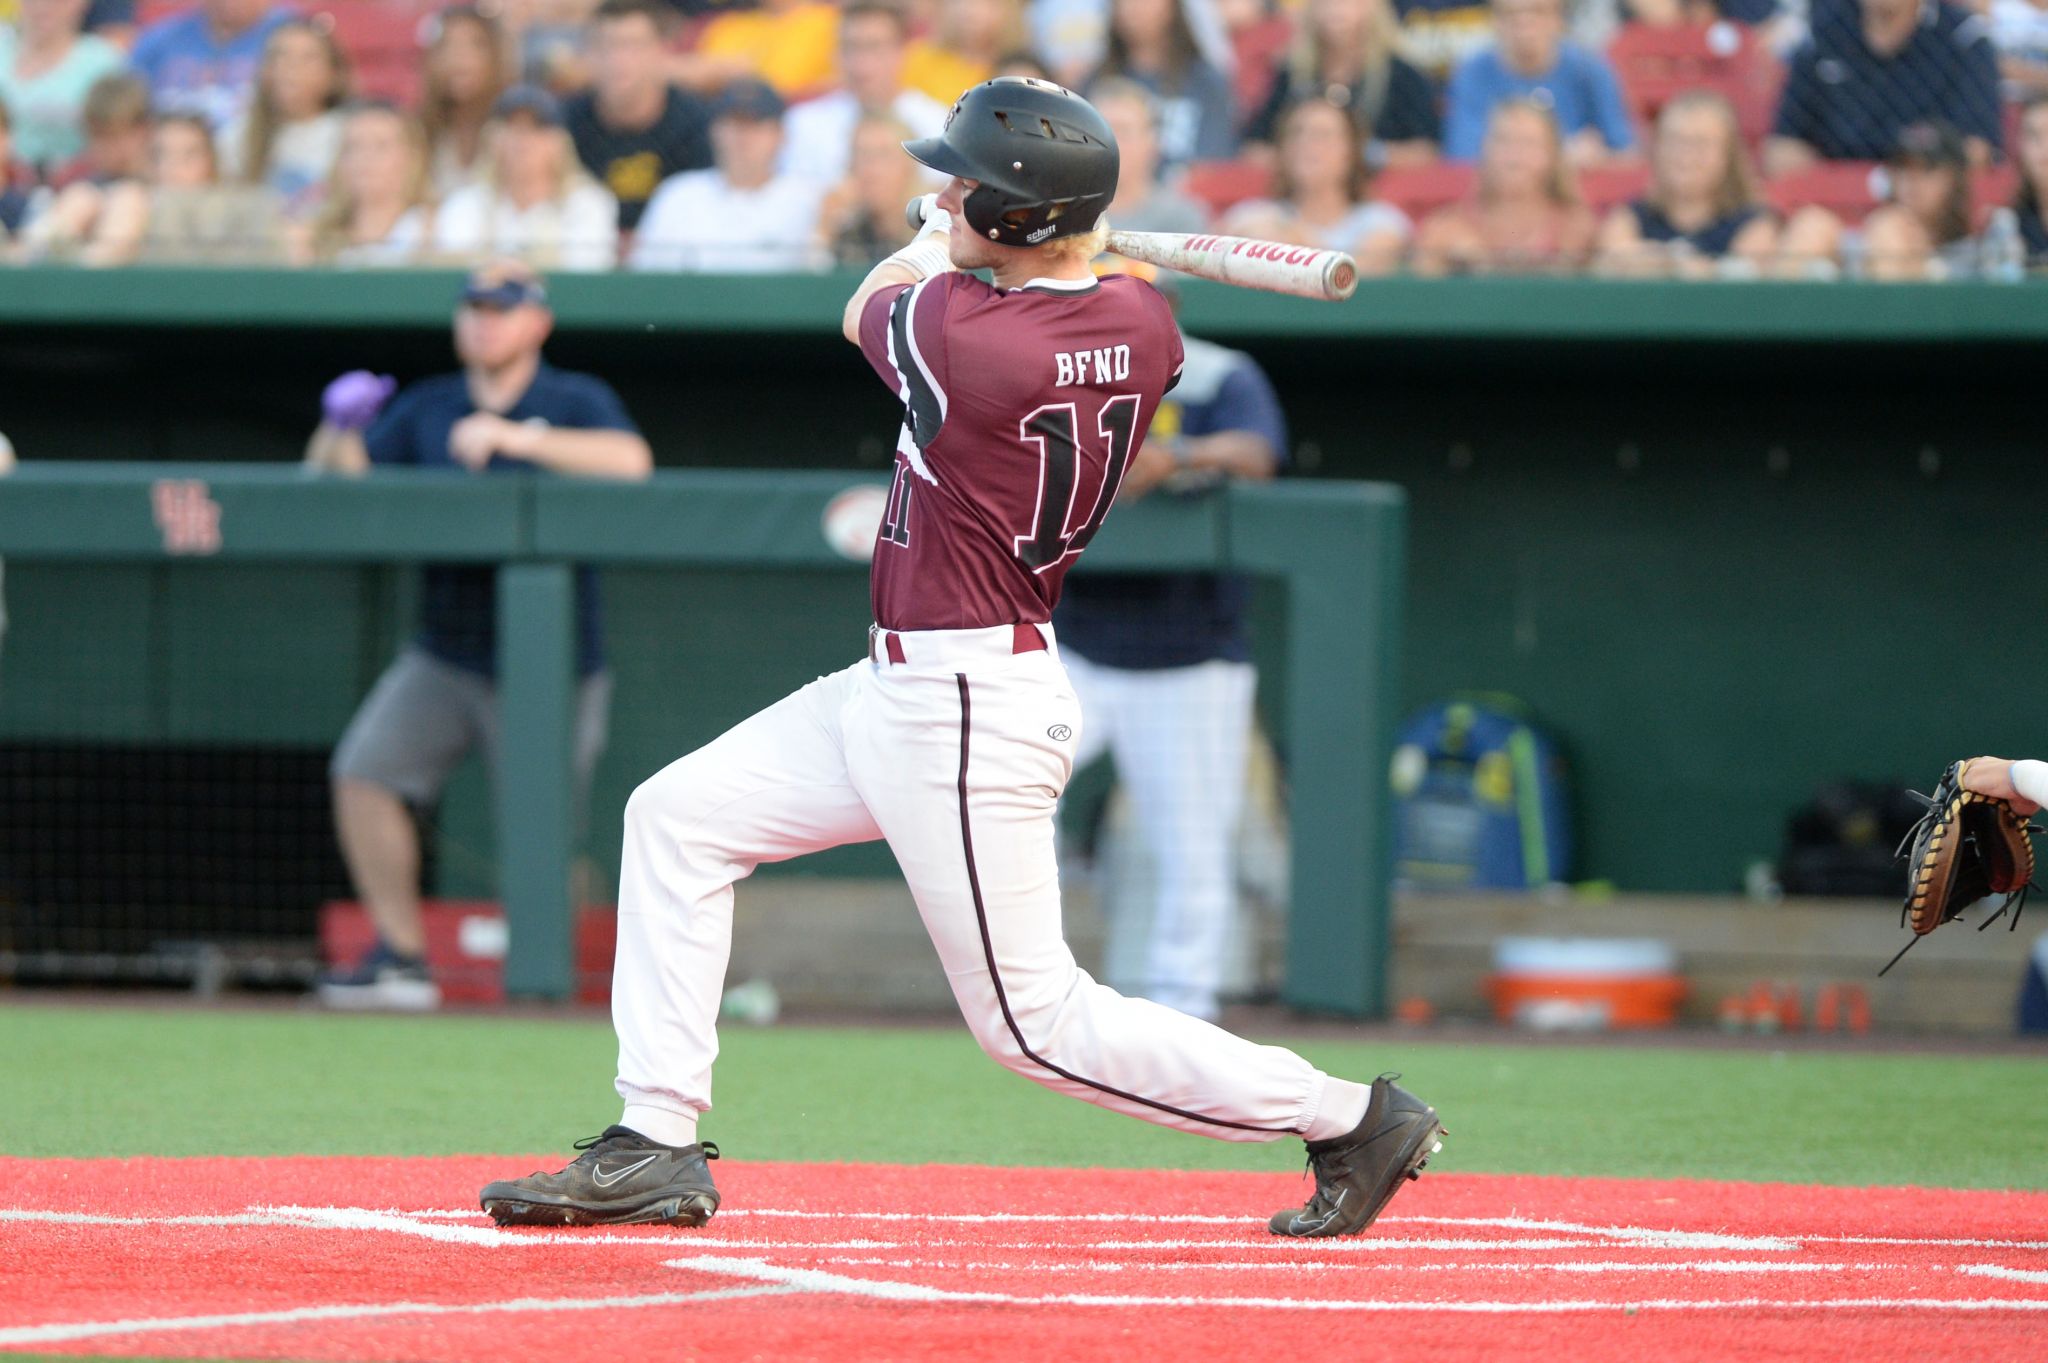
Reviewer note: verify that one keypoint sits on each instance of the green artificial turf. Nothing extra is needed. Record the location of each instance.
(136, 1081)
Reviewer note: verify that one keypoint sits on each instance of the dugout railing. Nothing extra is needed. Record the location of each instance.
(1335, 550)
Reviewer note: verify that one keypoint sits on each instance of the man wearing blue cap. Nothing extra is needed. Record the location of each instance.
(507, 411)
(740, 217)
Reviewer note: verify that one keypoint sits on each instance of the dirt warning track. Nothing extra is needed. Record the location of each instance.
(376, 1258)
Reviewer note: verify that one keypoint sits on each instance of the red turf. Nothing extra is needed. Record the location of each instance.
(881, 1269)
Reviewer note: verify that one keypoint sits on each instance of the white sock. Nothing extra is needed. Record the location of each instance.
(669, 1128)
(1342, 1109)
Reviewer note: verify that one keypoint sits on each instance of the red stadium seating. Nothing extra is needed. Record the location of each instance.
(1655, 64)
(1420, 191)
(382, 41)
(1260, 48)
(1848, 189)
(1606, 186)
(1220, 184)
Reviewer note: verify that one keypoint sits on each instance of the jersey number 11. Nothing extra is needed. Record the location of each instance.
(1062, 462)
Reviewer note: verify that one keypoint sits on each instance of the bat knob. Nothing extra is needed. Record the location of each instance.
(920, 208)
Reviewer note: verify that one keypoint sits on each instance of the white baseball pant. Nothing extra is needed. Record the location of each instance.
(957, 756)
(1180, 737)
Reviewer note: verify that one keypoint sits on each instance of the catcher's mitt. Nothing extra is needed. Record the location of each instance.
(1966, 847)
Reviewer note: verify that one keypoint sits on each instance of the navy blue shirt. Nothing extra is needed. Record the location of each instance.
(1145, 621)
(459, 602)
(1712, 240)
(1850, 104)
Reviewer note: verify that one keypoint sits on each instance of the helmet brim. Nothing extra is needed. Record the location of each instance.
(941, 157)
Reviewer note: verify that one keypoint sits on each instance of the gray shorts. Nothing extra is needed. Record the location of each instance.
(424, 716)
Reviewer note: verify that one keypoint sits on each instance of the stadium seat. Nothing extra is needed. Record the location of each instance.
(1260, 48)
(1655, 64)
(382, 40)
(1221, 184)
(1848, 189)
(1420, 191)
(1605, 186)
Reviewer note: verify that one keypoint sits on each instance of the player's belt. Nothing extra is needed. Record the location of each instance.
(938, 647)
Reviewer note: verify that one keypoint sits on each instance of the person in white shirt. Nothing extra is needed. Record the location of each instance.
(290, 134)
(740, 217)
(536, 202)
(874, 40)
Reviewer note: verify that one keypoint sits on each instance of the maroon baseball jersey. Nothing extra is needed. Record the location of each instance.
(1021, 410)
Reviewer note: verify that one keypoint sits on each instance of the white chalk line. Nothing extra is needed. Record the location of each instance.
(2017, 1275)
(1757, 1266)
(54, 1334)
(820, 1280)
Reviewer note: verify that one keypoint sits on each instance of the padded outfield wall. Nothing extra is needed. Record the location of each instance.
(1710, 533)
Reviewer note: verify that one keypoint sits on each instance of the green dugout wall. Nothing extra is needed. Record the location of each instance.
(1707, 532)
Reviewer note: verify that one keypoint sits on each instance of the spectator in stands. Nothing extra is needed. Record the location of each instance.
(1873, 67)
(507, 412)
(1153, 43)
(2033, 187)
(1703, 207)
(861, 221)
(377, 209)
(1319, 187)
(787, 43)
(1924, 230)
(204, 59)
(535, 203)
(1440, 35)
(548, 40)
(1345, 51)
(117, 154)
(179, 215)
(1161, 663)
(1142, 203)
(1525, 216)
(1532, 59)
(741, 217)
(46, 67)
(17, 182)
(964, 47)
(2019, 31)
(874, 37)
(289, 135)
(1927, 230)
(633, 128)
(468, 67)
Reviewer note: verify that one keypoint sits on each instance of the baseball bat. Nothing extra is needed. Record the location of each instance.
(1248, 263)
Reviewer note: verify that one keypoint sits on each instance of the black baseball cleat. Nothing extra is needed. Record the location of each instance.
(1359, 1173)
(621, 1179)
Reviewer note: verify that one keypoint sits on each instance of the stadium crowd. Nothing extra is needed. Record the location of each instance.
(1887, 139)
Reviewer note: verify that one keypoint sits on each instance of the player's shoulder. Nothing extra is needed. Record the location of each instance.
(571, 383)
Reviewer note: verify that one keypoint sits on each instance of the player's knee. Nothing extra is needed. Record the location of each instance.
(1020, 1027)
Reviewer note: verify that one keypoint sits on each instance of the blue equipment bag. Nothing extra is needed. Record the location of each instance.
(1480, 799)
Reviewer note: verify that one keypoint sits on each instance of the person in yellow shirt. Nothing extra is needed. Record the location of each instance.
(791, 44)
(968, 39)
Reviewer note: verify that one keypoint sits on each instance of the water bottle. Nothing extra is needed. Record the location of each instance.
(2002, 253)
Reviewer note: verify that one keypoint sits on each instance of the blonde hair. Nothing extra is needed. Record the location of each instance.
(1084, 246)
(1382, 32)
(260, 137)
(1738, 187)
(338, 209)
(1561, 187)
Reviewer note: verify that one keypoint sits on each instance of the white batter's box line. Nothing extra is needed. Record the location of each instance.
(1762, 1267)
(75, 1330)
(820, 1280)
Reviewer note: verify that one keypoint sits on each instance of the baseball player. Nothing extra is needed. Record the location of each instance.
(1023, 402)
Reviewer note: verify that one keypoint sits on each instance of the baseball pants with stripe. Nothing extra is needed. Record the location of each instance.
(957, 756)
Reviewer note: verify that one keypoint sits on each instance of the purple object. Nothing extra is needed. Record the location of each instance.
(353, 400)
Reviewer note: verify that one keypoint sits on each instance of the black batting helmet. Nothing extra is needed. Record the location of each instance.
(1045, 161)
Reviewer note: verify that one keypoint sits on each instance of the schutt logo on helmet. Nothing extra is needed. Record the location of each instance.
(1044, 161)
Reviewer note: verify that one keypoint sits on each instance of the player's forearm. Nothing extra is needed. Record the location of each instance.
(1240, 454)
(335, 450)
(2030, 778)
(592, 454)
(890, 271)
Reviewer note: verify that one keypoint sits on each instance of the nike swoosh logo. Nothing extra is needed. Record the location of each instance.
(598, 1177)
